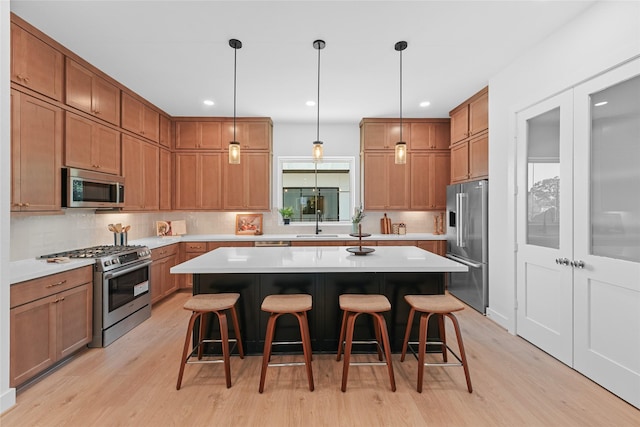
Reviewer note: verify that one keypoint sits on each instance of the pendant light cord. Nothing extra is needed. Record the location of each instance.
(400, 96)
(318, 101)
(235, 66)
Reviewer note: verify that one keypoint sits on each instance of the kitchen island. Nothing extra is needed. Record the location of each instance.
(325, 273)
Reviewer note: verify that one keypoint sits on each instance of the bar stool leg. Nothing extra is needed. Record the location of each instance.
(422, 347)
(463, 356)
(407, 333)
(201, 334)
(224, 337)
(443, 336)
(376, 328)
(351, 319)
(266, 354)
(306, 346)
(343, 327)
(236, 328)
(185, 351)
(387, 347)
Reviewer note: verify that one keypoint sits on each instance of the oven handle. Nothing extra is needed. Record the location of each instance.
(126, 270)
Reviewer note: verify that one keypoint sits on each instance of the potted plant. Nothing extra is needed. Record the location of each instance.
(287, 213)
(358, 216)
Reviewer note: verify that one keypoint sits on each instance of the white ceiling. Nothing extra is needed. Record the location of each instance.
(176, 53)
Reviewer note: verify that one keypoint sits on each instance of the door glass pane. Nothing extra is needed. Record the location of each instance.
(543, 179)
(615, 171)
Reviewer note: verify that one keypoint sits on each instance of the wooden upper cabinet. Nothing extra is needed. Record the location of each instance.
(165, 184)
(248, 185)
(91, 93)
(386, 185)
(429, 180)
(140, 168)
(35, 64)
(382, 134)
(191, 134)
(137, 117)
(36, 154)
(165, 132)
(430, 135)
(198, 183)
(252, 134)
(471, 117)
(90, 145)
(470, 138)
(479, 113)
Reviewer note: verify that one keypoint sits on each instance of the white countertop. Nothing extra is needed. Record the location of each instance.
(317, 259)
(28, 269)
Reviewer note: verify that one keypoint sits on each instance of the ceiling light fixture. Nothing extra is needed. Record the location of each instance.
(425, 104)
(208, 102)
(401, 146)
(234, 146)
(317, 144)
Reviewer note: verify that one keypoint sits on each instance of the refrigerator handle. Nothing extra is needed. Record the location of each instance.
(461, 229)
(464, 261)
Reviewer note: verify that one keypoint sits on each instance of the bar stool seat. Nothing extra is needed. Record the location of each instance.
(277, 305)
(200, 306)
(442, 306)
(353, 305)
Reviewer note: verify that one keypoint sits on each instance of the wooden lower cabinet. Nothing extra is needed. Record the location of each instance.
(438, 247)
(163, 283)
(323, 243)
(51, 318)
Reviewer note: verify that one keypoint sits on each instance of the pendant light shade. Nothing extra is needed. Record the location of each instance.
(317, 144)
(234, 146)
(401, 146)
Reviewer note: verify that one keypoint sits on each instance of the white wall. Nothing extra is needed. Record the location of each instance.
(7, 395)
(605, 35)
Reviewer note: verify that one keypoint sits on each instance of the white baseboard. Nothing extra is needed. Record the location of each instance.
(501, 320)
(7, 400)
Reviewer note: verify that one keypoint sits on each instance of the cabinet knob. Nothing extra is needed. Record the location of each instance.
(26, 204)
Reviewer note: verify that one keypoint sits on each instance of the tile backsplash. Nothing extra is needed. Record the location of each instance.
(32, 236)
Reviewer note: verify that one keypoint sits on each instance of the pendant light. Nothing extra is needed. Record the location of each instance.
(401, 146)
(317, 144)
(234, 146)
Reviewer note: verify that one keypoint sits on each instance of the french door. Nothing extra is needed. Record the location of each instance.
(578, 216)
(607, 231)
(545, 213)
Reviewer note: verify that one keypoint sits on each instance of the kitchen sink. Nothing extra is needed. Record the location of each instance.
(317, 235)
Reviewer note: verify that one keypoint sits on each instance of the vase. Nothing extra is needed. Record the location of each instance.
(355, 228)
(286, 221)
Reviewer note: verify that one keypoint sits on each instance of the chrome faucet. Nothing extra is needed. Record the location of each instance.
(318, 213)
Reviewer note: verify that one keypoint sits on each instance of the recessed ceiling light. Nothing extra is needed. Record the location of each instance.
(600, 104)
(310, 103)
(208, 102)
(425, 104)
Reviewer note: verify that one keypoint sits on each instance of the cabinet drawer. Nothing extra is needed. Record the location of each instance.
(197, 247)
(24, 292)
(397, 243)
(164, 251)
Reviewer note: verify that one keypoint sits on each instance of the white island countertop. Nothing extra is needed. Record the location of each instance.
(317, 259)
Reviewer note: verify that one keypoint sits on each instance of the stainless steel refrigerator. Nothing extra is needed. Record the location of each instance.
(467, 234)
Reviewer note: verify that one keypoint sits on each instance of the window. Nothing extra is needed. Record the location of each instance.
(325, 189)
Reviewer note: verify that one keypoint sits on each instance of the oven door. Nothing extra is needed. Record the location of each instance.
(125, 291)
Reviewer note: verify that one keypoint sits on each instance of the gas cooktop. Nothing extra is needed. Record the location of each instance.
(108, 256)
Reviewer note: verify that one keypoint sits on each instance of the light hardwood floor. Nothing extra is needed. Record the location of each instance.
(132, 383)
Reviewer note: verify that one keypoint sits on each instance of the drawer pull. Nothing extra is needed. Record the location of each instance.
(57, 284)
(59, 300)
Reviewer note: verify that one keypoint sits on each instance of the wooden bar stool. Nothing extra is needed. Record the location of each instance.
(277, 305)
(353, 305)
(201, 305)
(442, 306)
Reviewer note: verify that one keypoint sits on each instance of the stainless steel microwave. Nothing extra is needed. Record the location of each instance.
(92, 190)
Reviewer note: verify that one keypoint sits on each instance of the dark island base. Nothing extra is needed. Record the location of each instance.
(326, 316)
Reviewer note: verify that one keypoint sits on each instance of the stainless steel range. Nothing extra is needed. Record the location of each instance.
(121, 297)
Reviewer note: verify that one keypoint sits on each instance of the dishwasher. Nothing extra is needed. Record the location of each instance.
(271, 243)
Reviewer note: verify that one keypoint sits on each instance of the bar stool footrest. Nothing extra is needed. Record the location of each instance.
(410, 345)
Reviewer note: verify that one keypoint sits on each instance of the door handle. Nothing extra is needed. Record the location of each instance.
(578, 264)
(563, 261)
